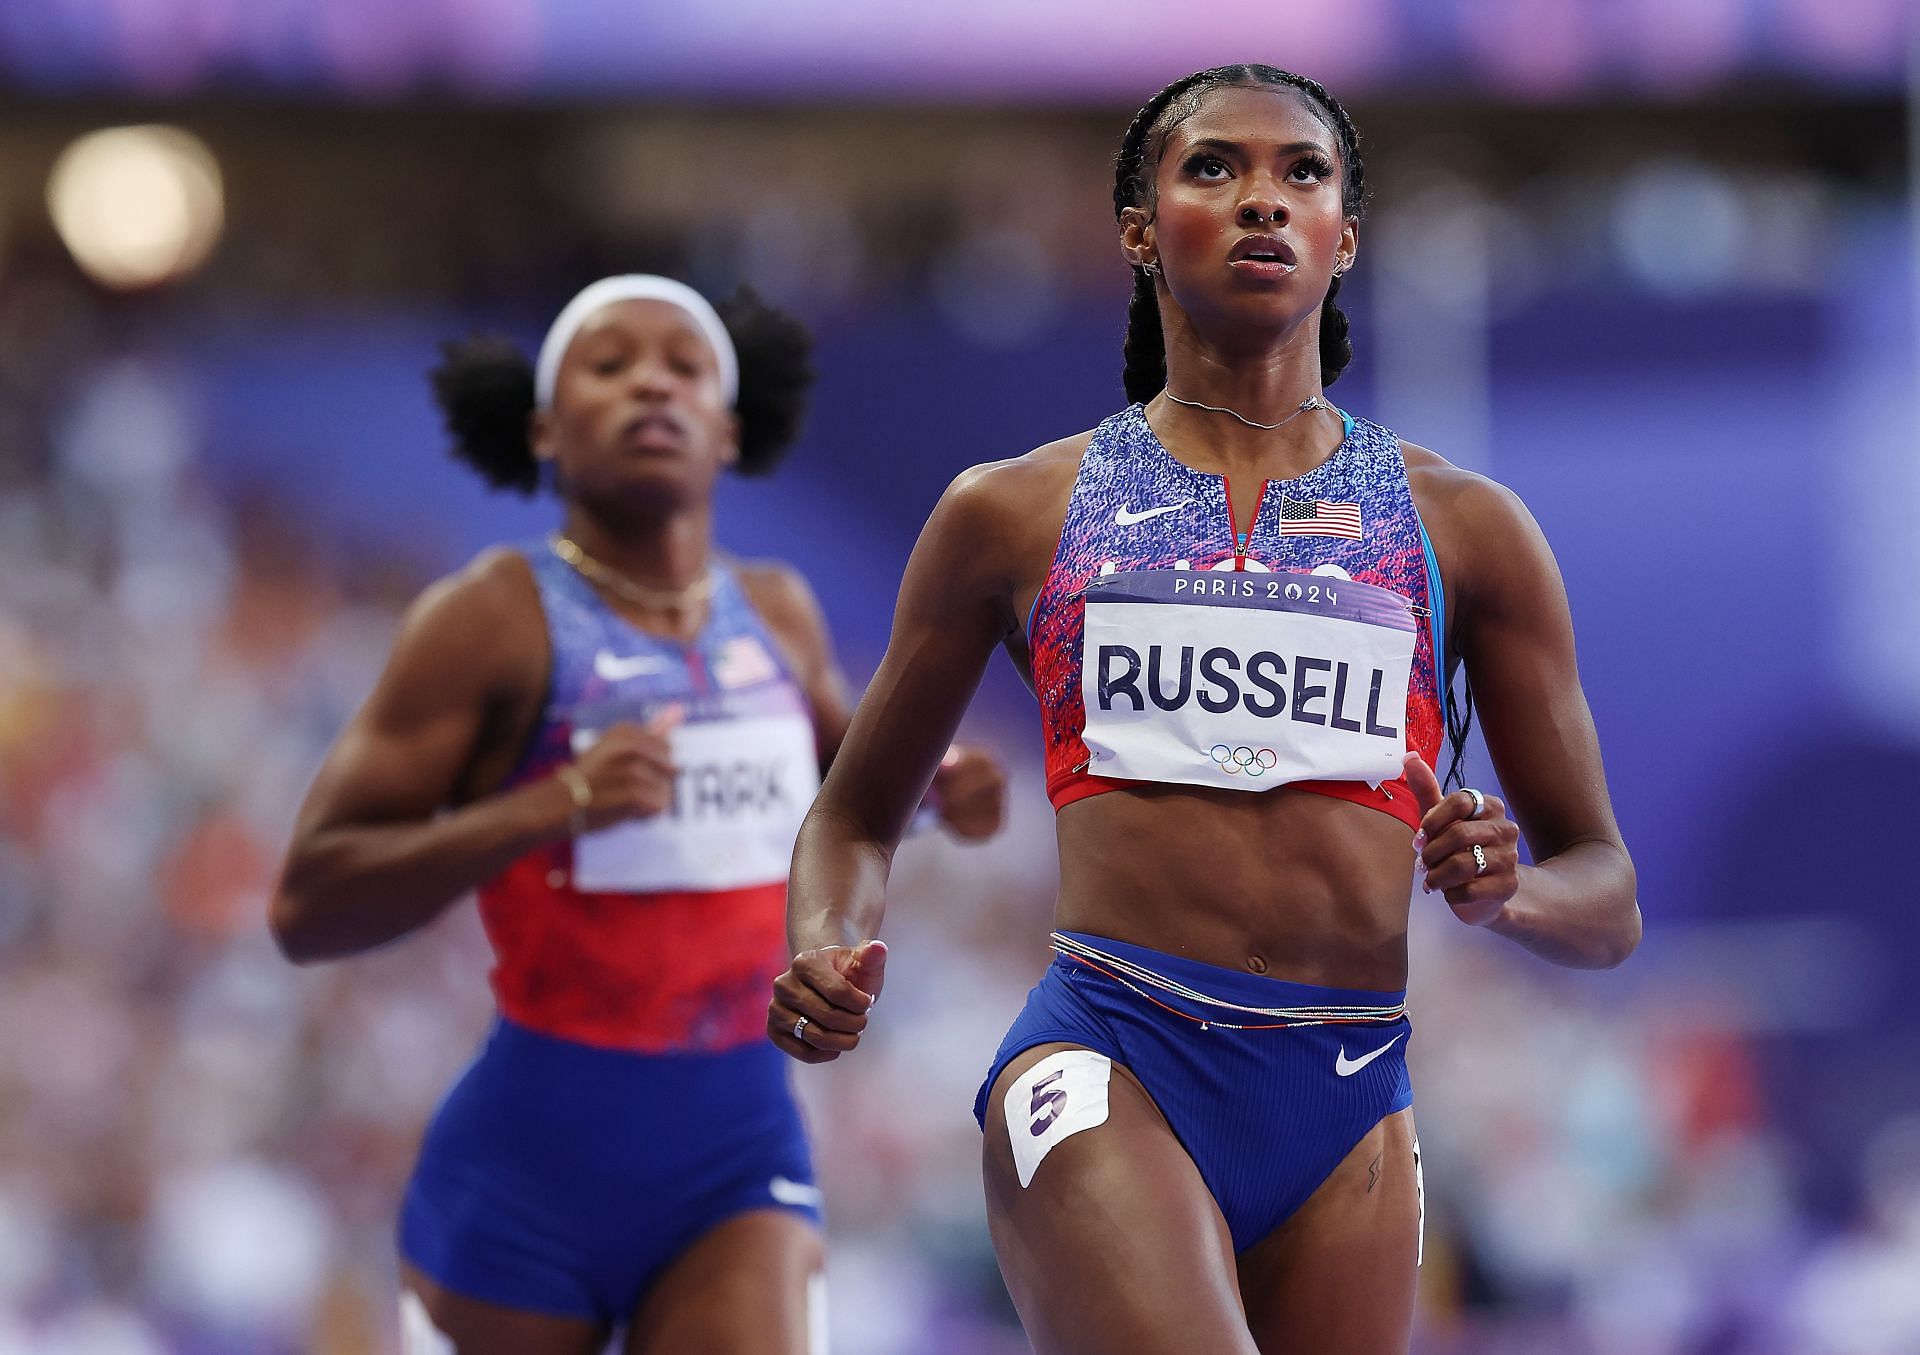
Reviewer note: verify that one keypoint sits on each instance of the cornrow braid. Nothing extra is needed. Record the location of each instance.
(1145, 372)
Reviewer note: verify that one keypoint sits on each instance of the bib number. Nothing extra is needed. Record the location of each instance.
(740, 790)
(1245, 681)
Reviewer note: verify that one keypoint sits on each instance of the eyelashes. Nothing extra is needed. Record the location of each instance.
(1318, 167)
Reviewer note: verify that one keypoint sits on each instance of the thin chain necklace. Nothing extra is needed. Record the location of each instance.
(653, 599)
(1311, 402)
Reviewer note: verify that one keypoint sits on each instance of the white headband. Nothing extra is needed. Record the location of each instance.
(634, 287)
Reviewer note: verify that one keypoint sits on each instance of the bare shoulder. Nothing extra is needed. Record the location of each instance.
(778, 591)
(496, 586)
(1462, 508)
(1016, 498)
(483, 620)
(1454, 490)
(1488, 542)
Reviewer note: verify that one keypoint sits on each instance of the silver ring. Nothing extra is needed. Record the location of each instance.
(800, 1026)
(1479, 860)
(1479, 802)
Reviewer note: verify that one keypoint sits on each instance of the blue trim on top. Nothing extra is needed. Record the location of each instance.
(1437, 604)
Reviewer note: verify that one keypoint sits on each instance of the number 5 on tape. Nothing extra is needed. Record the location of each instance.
(1055, 1099)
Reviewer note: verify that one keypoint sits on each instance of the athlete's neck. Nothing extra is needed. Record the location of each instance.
(664, 554)
(1261, 384)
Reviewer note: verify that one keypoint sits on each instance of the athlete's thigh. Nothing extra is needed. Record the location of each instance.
(747, 1286)
(1338, 1277)
(437, 1321)
(1115, 1243)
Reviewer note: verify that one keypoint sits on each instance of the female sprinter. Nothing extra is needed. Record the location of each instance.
(612, 734)
(1198, 1134)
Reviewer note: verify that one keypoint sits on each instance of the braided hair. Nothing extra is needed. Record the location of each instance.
(1145, 373)
(484, 387)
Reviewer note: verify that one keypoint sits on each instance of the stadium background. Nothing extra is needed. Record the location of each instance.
(1651, 264)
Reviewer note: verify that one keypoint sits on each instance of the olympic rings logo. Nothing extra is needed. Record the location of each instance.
(1243, 761)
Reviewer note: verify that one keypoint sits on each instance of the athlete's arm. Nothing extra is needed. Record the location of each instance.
(954, 608)
(1575, 905)
(373, 857)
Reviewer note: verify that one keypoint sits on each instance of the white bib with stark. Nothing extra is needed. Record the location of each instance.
(1243, 680)
(740, 790)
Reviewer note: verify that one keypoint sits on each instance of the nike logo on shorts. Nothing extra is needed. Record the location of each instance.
(613, 668)
(1123, 518)
(1345, 1067)
(794, 1193)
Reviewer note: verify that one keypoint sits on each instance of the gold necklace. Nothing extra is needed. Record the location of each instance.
(653, 599)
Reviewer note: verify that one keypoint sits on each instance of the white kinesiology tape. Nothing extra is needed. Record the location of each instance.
(1055, 1099)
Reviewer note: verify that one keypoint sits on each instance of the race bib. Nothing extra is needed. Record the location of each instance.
(740, 790)
(1243, 680)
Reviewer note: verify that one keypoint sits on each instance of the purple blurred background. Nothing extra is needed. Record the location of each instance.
(1653, 266)
(1071, 49)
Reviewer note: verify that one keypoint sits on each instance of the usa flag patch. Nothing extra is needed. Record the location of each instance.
(1319, 517)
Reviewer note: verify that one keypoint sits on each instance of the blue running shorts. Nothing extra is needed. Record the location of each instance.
(1266, 1114)
(562, 1178)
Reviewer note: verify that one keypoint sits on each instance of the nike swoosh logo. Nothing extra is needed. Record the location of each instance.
(793, 1192)
(1345, 1067)
(615, 669)
(1123, 518)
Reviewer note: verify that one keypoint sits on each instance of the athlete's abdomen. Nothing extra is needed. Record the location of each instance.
(1311, 886)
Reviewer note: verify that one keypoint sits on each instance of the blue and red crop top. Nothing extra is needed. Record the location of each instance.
(662, 934)
(1136, 508)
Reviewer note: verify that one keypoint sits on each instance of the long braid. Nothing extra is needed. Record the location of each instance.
(1145, 346)
(1336, 343)
(1459, 724)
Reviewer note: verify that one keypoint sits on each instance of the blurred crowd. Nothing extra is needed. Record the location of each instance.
(202, 1147)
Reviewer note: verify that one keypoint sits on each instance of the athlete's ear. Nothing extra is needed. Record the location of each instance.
(1349, 244)
(1136, 237)
(730, 441)
(541, 434)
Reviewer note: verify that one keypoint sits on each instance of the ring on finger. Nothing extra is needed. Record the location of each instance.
(800, 1029)
(1479, 859)
(1479, 802)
